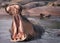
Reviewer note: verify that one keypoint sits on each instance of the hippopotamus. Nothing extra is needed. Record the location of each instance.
(21, 28)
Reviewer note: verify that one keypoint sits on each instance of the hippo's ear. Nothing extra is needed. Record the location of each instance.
(21, 7)
(6, 9)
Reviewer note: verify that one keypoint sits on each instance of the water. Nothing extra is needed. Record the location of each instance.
(51, 26)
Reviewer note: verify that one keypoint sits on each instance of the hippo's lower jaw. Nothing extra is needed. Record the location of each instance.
(22, 38)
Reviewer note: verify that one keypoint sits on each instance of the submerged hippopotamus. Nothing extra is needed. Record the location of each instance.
(22, 28)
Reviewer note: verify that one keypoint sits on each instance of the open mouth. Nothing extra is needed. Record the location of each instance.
(20, 39)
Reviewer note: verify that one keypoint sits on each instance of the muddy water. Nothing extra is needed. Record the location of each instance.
(51, 27)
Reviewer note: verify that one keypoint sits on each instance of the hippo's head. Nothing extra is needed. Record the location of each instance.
(13, 9)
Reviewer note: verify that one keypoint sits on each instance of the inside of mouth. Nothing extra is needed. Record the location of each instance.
(20, 39)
